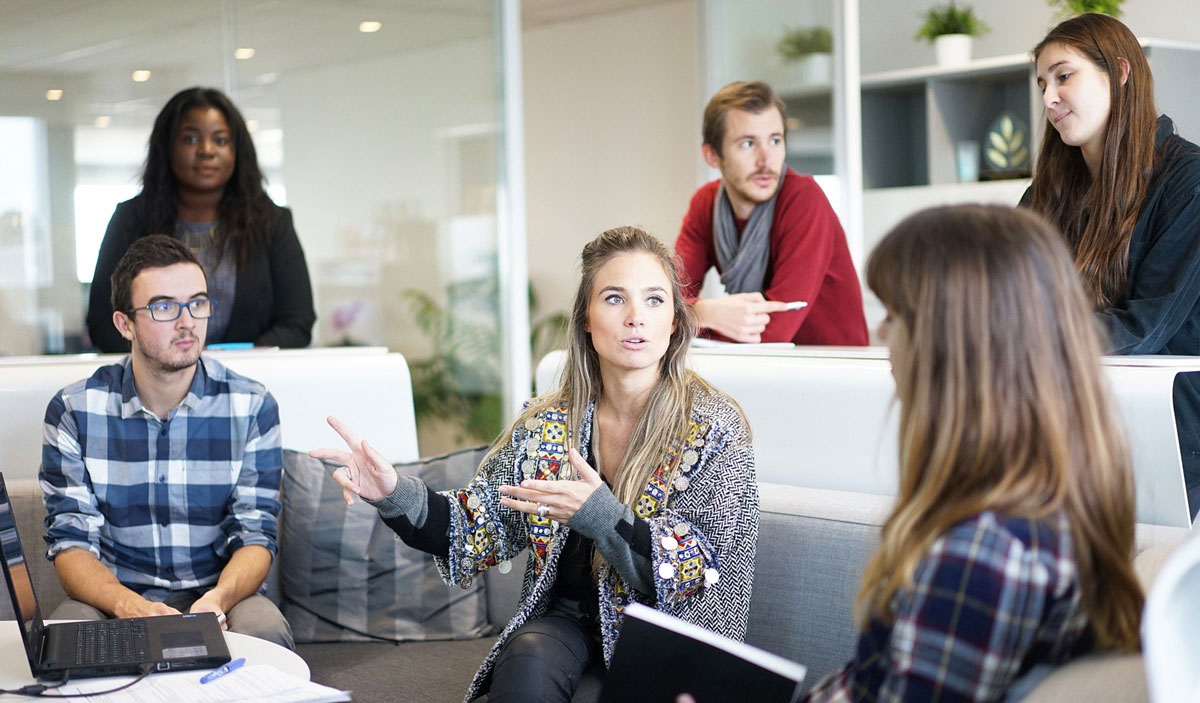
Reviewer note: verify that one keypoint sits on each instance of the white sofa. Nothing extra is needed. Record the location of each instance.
(813, 543)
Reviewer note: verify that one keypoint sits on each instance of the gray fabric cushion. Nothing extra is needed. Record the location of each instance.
(347, 578)
(812, 546)
(30, 514)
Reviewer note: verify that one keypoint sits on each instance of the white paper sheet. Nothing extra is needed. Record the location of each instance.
(257, 682)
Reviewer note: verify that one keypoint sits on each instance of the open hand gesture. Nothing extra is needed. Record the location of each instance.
(364, 471)
(557, 500)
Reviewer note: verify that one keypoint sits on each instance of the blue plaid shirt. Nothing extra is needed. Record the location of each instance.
(994, 596)
(162, 503)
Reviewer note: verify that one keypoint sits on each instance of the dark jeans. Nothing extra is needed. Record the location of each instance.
(545, 661)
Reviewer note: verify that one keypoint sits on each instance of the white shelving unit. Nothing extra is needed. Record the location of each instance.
(913, 118)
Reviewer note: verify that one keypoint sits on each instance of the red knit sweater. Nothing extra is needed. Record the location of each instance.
(808, 260)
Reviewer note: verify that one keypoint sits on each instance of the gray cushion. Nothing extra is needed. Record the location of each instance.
(30, 514)
(347, 578)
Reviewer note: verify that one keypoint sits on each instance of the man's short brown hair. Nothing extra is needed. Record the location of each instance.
(749, 96)
(150, 252)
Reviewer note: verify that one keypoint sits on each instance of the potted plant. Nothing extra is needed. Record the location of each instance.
(1070, 8)
(950, 28)
(459, 384)
(812, 49)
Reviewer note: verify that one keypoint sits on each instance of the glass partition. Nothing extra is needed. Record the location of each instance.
(380, 125)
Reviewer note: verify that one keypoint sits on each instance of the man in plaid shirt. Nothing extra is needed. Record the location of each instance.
(161, 473)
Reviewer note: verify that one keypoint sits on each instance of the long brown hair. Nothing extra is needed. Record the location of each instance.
(1003, 405)
(669, 407)
(1098, 215)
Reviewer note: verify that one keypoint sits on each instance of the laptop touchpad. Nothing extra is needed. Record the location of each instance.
(177, 645)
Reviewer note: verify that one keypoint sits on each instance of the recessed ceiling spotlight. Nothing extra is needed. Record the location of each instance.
(141, 76)
(103, 121)
(369, 26)
(243, 53)
(54, 94)
(251, 125)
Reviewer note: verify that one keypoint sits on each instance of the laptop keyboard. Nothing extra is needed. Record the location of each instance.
(110, 642)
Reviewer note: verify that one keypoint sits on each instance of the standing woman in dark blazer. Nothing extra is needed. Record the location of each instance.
(1124, 189)
(202, 184)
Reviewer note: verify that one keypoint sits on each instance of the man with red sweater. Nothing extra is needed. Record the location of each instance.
(769, 231)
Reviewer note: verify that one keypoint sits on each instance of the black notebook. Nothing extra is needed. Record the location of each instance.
(102, 647)
(658, 657)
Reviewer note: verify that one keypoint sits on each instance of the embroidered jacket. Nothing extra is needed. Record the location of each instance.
(702, 516)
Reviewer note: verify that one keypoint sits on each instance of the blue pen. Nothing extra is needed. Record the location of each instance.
(218, 673)
(230, 345)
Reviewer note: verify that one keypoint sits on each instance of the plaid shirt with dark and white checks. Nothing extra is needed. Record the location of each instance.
(163, 503)
(994, 596)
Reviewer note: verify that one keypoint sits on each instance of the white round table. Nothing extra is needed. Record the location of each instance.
(14, 665)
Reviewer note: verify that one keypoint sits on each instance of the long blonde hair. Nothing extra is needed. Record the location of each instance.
(1003, 405)
(667, 411)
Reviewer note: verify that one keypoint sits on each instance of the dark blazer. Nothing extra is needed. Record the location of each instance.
(273, 305)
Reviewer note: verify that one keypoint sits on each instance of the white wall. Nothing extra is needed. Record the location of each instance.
(888, 27)
(611, 132)
(371, 174)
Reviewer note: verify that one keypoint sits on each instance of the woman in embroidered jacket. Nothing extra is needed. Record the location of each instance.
(1011, 542)
(633, 481)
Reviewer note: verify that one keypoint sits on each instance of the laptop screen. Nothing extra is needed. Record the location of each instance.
(20, 586)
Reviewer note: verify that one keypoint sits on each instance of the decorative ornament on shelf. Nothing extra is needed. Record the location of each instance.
(1070, 8)
(812, 49)
(950, 28)
(1006, 148)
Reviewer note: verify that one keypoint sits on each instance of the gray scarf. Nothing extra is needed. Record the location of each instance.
(743, 259)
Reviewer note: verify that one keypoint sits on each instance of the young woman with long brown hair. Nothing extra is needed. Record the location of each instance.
(632, 481)
(1011, 541)
(202, 185)
(1124, 189)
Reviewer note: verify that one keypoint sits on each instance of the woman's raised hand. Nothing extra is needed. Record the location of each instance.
(363, 471)
(557, 500)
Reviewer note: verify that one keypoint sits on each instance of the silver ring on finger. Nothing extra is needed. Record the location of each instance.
(542, 509)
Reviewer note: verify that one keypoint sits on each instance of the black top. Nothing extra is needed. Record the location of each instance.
(273, 303)
(1161, 310)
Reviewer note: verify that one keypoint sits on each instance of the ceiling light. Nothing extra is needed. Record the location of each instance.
(251, 125)
(54, 94)
(368, 26)
(103, 121)
(243, 53)
(141, 76)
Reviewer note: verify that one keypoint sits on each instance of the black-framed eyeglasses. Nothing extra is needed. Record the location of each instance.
(170, 310)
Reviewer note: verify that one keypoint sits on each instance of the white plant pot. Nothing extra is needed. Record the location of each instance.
(816, 69)
(952, 49)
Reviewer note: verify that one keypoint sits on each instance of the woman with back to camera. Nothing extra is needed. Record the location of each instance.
(203, 185)
(632, 481)
(1114, 177)
(1011, 541)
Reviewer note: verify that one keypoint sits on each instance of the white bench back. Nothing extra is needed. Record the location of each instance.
(825, 417)
(367, 387)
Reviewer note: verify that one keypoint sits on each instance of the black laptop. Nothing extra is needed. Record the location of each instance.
(103, 647)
